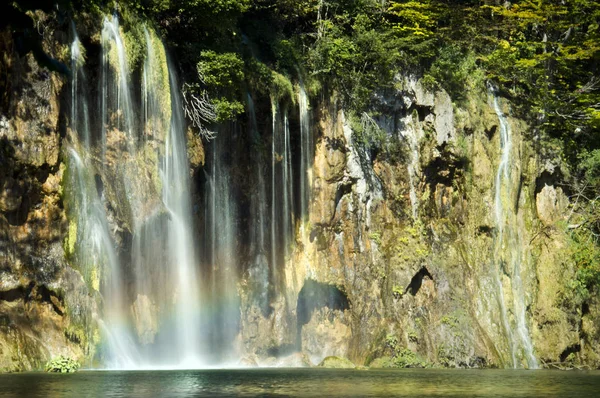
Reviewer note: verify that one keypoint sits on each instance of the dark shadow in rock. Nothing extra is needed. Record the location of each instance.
(343, 189)
(422, 110)
(33, 292)
(491, 132)
(415, 283)
(485, 230)
(564, 356)
(444, 169)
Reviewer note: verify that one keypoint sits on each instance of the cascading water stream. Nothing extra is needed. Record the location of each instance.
(223, 322)
(274, 191)
(305, 152)
(509, 247)
(305, 177)
(111, 41)
(176, 198)
(259, 204)
(288, 185)
(95, 244)
(143, 165)
(282, 203)
(259, 268)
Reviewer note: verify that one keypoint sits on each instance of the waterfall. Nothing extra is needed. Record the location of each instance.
(94, 242)
(151, 301)
(114, 51)
(258, 272)
(509, 246)
(222, 322)
(259, 202)
(288, 186)
(176, 198)
(282, 201)
(305, 151)
(275, 158)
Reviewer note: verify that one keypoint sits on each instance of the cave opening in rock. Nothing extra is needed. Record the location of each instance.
(314, 296)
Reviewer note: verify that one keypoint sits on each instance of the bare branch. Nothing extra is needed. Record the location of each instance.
(200, 111)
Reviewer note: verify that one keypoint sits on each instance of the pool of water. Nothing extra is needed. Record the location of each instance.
(304, 383)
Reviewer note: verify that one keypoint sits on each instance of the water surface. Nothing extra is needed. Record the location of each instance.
(304, 383)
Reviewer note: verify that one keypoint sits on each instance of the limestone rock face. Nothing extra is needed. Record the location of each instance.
(551, 204)
(326, 334)
(412, 242)
(444, 118)
(144, 316)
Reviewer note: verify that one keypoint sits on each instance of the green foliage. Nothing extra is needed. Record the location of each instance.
(367, 135)
(221, 71)
(456, 72)
(259, 76)
(226, 109)
(405, 358)
(62, 364)
(286, 55)
(375, 237)
(590, 166)
(223, 74)
(415, 24)
(586, 254)
(355, 52)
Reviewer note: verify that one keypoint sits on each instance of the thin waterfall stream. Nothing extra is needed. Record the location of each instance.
(509, 248)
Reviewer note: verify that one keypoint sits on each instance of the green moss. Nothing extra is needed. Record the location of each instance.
(450, 320)
(95, 278)
(158, 80)
(281, 87)
(382, 362)
(413, 336)
(334, 362)
(375, 237)
(71, 239)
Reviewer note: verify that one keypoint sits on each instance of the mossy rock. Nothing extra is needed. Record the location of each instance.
(383, 362)
(62, 364)
(336, 363)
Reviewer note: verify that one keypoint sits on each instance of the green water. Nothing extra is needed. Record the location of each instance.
(304, 383)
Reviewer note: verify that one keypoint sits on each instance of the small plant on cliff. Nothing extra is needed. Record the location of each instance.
(62, 364)
(402, 357)
(398, 292)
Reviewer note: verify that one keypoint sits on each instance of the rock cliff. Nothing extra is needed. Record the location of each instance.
(414, 239)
